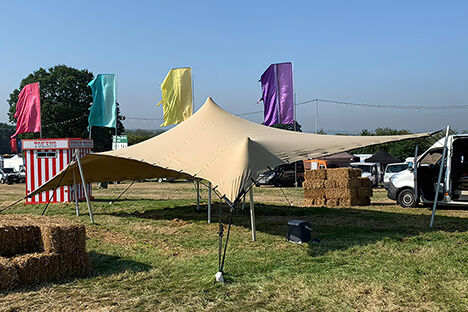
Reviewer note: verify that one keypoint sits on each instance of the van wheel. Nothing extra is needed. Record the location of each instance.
(406, 199)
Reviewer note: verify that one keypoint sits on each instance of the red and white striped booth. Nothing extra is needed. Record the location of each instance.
(44, 158)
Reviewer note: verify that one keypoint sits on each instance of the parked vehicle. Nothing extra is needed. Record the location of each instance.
(418, 183)
(282, 175)
(9, 175)
(393, 169)
(22, 173)
(369, 170)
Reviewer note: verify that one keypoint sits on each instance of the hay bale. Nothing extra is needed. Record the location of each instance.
(343, 173)
(314, 194)
(19, 239)
(365, 182)
(313, 184)
(333, 202)
(364, 191)
(335, 193)
(8, 275)
(347, 183)
(318, 174)
(64, 239)
(363, 201)
(56, 248)
(37, 267)
(315, 202)
(330, 184)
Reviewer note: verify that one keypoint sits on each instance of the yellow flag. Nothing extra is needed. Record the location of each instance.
(177, 96)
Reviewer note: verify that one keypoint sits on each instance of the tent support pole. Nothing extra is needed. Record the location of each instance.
(198, 195)
(85, 187)
(441, 170)
(209, 202)
(252, 215)
(76, 194)
(243, 203)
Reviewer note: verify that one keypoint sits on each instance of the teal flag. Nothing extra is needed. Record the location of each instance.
(103, 112)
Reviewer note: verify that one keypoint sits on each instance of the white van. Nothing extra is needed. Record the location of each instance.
(393, 169)
(369, 170)
(419, 182)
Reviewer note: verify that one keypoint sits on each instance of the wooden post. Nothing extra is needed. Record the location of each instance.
(83, 181)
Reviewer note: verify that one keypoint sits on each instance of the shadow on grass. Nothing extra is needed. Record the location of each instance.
(337, 228)
(102, 265)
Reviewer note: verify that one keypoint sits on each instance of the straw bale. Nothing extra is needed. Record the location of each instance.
(75, 264)
(343, 173)
(64, 239)
(37, 267)
(19, 239)
(318, 174)
(363, 201)
(8, 275)
(347, 183)
(330, 184)
(315, 202)
(313, 184)
(340, 193)
(52, 248)
(333, 202)
(364, 191)
(318, 193)
(365, 182)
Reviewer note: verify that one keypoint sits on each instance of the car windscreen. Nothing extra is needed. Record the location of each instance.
(8, 170)
(396, 168)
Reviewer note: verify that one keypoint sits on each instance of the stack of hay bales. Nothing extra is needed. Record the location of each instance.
(336, 187)
(34, 249)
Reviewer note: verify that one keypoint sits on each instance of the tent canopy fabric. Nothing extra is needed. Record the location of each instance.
(214, 145)
(383, 157)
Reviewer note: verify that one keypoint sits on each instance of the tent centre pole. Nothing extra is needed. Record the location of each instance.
(198, 194)
(85, 187)
(209, 202)
(252, 215)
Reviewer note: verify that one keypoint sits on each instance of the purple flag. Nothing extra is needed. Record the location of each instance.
(277, 94)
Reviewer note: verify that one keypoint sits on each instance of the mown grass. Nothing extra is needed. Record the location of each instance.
(153, 251)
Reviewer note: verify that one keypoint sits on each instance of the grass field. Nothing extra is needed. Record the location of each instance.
(152, 251)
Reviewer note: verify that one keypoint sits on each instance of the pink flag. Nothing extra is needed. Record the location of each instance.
(28, 110)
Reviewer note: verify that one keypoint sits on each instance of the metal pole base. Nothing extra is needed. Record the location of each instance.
(219, 277)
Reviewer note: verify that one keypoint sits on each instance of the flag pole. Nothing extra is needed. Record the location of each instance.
(193, 91)
(40, 110)
(116, 115)
(295, 122)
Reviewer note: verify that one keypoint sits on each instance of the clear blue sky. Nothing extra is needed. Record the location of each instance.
(372, 52)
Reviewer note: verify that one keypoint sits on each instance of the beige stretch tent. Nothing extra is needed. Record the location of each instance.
(214, 145)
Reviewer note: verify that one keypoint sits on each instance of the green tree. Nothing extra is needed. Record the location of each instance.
(65, 102)
(140, 135)
(400, 150)
(5, 132)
